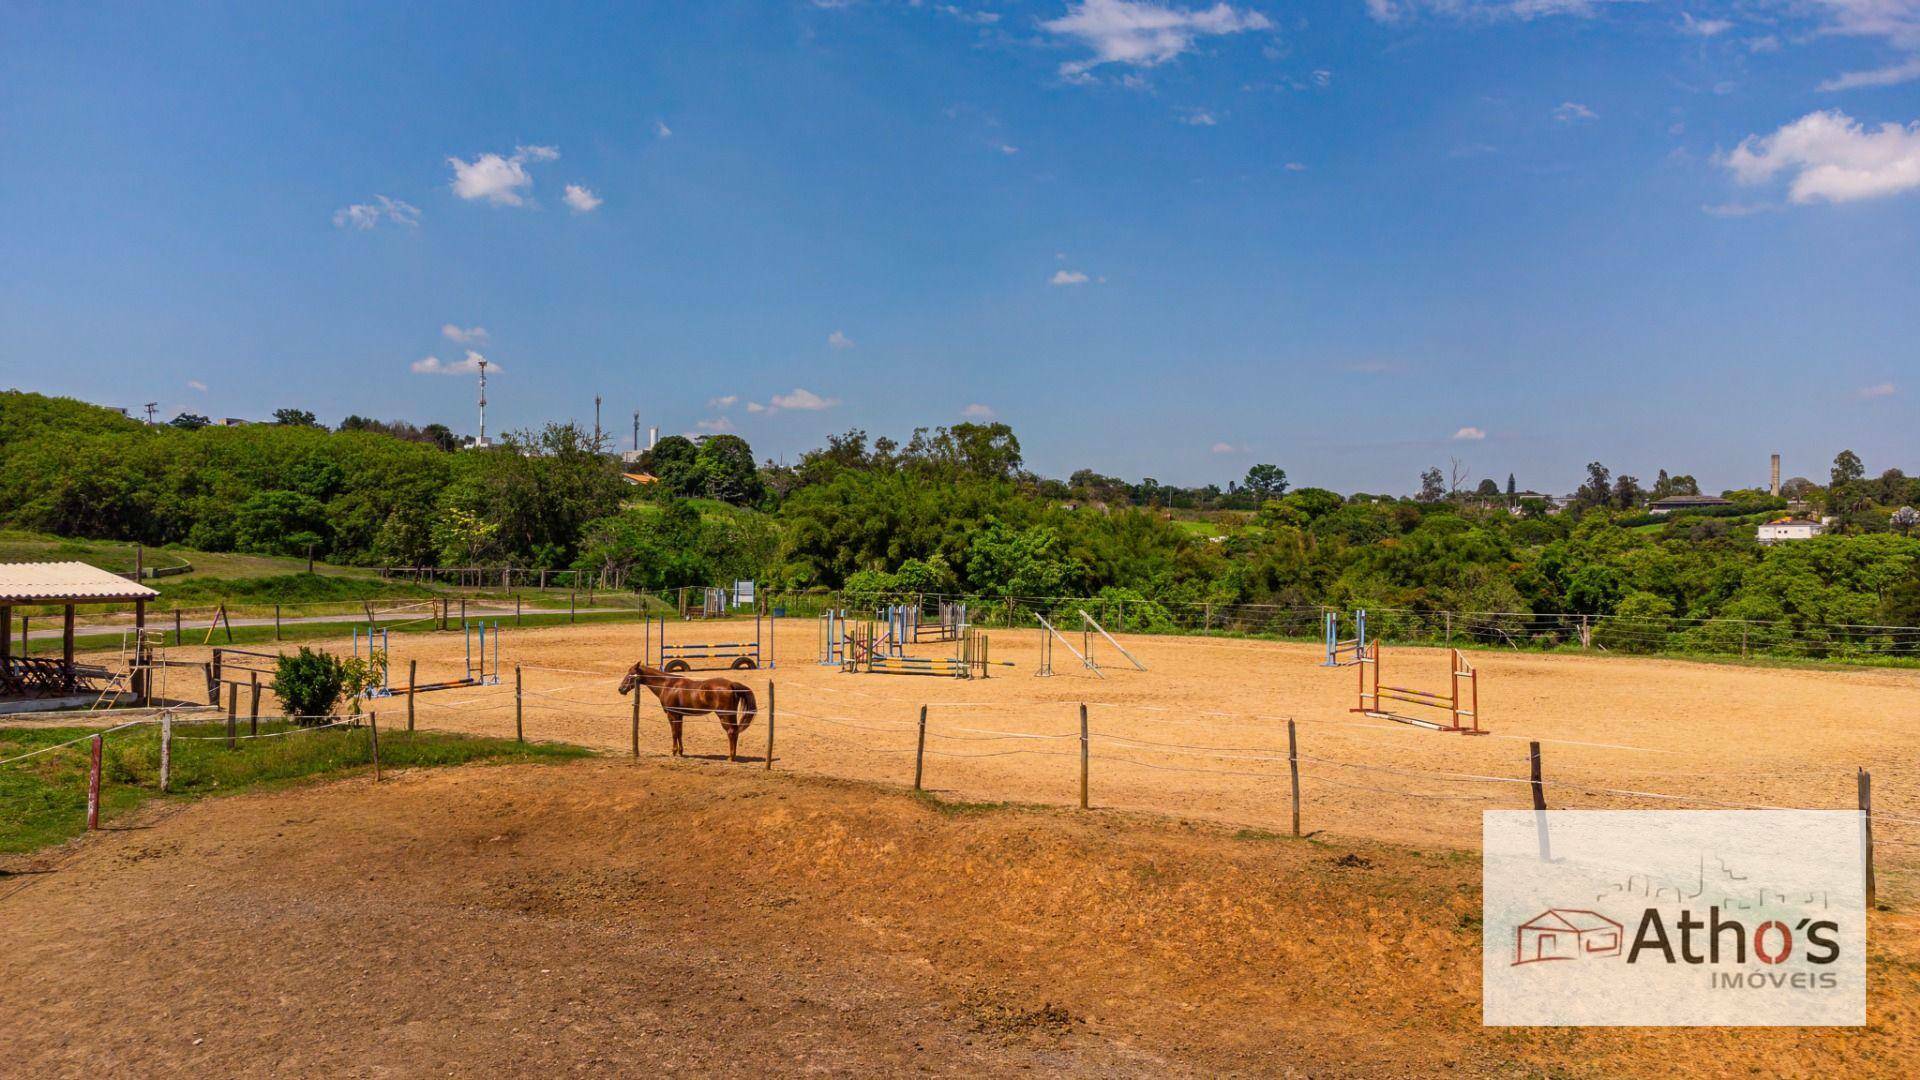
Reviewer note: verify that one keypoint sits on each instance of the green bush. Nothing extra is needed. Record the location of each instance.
(309, 683)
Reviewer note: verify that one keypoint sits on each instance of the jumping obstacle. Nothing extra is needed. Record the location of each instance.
(833, 637)
(969, 659)
(1373, 702)
(701, 602)
(482, 665)
(950, 622)
(1047, 637)
(1088, 628)
(1345, 653)
(708, 655)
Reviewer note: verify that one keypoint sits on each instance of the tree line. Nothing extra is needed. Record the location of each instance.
(951, 510)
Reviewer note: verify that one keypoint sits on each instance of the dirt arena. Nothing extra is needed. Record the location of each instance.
(1202, 732)
(648, 918)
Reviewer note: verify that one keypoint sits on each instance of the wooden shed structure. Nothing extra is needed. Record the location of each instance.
(65, 585)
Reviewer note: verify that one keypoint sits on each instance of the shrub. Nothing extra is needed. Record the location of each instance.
(309, 683)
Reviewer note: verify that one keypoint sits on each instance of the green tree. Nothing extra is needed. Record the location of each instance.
(295, 418)
(723, 469)
(280, 523)
(1266, 482)
(187, 421)
(673, 461)
(1433, 485)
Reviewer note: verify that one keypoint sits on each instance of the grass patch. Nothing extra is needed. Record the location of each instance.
(43, 799)
(301, 588)
(959, 807)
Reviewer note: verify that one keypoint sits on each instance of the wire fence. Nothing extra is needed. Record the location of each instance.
(1246, 768)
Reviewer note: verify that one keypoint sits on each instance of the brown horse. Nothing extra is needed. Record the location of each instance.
(731, 702)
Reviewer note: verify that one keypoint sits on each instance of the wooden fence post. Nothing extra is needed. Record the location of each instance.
(253, 704)
(571, 616)
(1293, 768)
(233, 714)
(276, 622)
(769, 726)
(1866, 814)
(373, 737)
(93, 783)
(920, 751)
(519, 732)
(636, 722)
(413, 676)
(1533, 766)
(166, 751)
(176, 625)
(1083, 755)
(516, 609)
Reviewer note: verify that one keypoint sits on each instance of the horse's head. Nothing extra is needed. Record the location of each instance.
(637, 675)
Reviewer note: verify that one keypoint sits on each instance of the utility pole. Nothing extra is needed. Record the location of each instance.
(596, 423)
(151, 405)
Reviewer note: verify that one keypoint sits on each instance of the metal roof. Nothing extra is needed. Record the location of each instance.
(38, 582)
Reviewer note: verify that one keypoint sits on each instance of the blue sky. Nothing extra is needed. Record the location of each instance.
(1353, 238)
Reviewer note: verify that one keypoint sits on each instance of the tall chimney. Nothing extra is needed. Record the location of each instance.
(653, 436)
(1774, 490)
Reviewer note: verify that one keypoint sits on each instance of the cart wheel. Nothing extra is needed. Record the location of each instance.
(744, 663)
(676, 666)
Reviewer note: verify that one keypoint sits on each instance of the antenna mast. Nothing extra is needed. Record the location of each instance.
(482, 440)
(636, 431)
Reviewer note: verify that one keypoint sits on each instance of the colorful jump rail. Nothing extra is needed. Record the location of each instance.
(678, 656)
(1462, 709)
(866, 651)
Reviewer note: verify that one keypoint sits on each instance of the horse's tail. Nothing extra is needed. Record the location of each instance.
(745, 706)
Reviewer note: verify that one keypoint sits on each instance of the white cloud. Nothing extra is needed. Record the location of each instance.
(1294, 166)
(1878, 390)
(1704, 27)
(1892, 75)
(1143, 33)
(755, 407)
(470, 335)
(803, 399)
(1766, 43)
(367, 215)
(839, 340)
(501, 181)
(433, 365)
(1831, 158)
(1009, 148)
(1570, 112)
(1198, 118)
(1067, 277)
(977, 18)
(1469, 434)
(661, 130)
(716, 425)
(582, 199)
(196, 384)
(1227, 448)
(1392, 11)
(976, 411)
(1734, 210)
(724, 402)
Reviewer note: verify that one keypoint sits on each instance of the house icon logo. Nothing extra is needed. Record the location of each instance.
(1565, 934)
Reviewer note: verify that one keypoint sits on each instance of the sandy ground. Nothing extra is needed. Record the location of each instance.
(614, 917)
(1202, 732)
